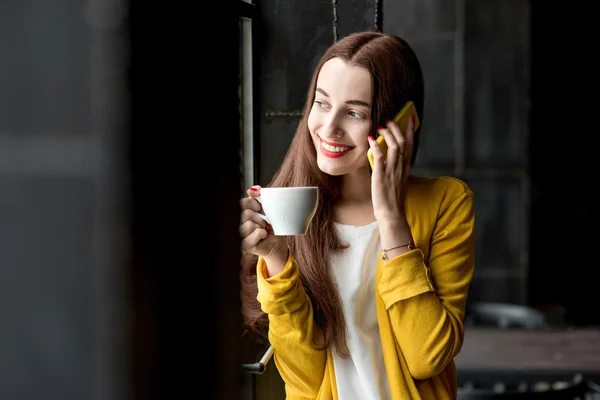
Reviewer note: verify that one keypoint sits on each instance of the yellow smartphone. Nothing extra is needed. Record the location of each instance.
(401, 119)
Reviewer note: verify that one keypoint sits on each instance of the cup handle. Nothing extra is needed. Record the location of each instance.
(263, 216)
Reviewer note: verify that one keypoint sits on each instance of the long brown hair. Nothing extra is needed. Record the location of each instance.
(396, 78)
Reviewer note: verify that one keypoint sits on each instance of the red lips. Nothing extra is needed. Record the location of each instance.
(332, 154)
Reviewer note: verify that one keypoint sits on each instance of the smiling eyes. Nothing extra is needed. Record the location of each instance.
(352, 113)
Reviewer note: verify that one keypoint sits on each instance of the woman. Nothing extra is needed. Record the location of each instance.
(369, 304)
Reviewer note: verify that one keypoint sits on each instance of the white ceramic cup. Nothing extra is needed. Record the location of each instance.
(289, 210)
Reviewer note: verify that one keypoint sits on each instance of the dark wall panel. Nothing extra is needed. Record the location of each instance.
(497, 47)
(45, 70)
(47, 293)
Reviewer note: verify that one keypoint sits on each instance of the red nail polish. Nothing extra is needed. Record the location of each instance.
(412, 118)
(371, 137)
(380, 127)
(254, 189)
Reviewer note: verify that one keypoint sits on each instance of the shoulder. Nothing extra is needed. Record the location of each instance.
(439, 189)
(447, 185)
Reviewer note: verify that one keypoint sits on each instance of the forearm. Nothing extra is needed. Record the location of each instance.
(300, 364)
(276, 260)
(426, 322)
(427, 333)
(292, 330)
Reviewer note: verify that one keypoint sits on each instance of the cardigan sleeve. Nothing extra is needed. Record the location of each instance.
(426, 302)
(292, 330)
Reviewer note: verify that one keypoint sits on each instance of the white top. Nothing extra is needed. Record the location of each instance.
(363, 376)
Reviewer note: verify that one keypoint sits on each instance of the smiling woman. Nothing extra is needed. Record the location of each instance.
(370, 302)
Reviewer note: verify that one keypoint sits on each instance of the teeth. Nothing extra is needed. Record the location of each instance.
(334, 149)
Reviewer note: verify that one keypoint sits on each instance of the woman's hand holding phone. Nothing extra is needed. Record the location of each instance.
(389, 181)
(401, 119)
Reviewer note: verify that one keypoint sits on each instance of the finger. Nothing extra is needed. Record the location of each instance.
(253, 191)
(378, 158)
(249, 216)
(249, 203)
(248, 227)
(252, 240)
(392, 145)
(400, 138)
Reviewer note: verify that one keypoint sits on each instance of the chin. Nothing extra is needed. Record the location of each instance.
(326, 166)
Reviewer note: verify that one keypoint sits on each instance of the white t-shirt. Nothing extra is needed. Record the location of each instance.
(363, 376)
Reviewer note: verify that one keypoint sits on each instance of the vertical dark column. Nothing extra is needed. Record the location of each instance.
(564, 160)
(185, 179)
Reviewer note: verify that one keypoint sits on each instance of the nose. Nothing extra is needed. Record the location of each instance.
(331, 126)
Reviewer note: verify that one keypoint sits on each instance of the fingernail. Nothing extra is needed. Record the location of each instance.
(380, 127)
(412, 118)
(371, 137)
(254, 189)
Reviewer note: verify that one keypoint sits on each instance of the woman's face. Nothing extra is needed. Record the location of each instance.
(340, 118)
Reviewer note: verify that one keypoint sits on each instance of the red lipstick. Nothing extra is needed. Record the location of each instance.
(332, 154)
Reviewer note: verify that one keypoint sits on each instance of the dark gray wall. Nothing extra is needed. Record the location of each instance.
(60, 274)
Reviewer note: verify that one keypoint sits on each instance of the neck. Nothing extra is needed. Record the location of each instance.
(354, 206)
(356, 187)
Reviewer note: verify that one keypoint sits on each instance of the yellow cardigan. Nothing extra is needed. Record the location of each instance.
(421, 298)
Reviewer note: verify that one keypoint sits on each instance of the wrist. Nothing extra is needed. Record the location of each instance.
(276, 259)
(389, 253)
(392, 224)
(394, 232)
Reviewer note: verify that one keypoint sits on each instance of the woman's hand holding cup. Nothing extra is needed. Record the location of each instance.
(257, 236)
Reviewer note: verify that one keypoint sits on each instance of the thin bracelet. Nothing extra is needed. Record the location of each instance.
(410, 245)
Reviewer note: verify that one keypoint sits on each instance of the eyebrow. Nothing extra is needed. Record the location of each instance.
(353, 102)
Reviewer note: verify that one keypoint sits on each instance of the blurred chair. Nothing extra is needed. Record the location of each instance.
(498, 387)
(505, 315)
(257, 352)
(594, 389)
